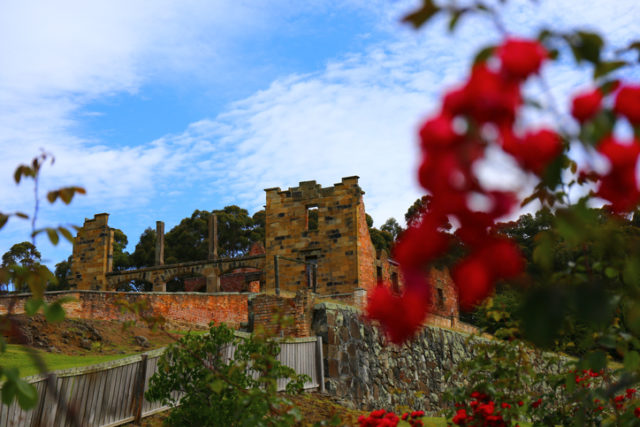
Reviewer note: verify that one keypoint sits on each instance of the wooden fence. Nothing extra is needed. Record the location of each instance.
(112, 393)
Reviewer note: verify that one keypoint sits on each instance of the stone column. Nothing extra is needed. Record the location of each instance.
(159, 286)
(360, 297)
(159, 243)
(213, 283)
(213, 237)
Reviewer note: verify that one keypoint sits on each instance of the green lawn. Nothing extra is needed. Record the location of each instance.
(15, 356)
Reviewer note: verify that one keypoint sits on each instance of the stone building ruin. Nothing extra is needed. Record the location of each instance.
(316, 240)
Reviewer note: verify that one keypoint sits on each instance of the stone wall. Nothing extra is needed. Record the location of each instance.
(92, 254)
(363, 368)
(185, 307)
(332, 242)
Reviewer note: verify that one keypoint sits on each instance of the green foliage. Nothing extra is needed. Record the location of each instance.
(219, 392)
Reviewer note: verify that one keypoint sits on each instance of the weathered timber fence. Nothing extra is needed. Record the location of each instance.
(112, 393)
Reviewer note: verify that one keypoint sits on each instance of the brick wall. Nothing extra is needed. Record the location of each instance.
(267, 309)
(192, 308)
(366, 251)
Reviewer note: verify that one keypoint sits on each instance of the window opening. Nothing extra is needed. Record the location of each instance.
(312, 218)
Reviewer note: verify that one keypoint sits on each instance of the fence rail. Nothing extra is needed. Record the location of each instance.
(112, 393)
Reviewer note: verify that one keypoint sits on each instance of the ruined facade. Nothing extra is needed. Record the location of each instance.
(316, 240)
(321, 226)
(92, 254)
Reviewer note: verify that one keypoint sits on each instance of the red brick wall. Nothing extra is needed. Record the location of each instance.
(268, 308)
(198, 309)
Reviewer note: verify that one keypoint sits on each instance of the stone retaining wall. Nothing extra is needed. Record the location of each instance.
(362, 367)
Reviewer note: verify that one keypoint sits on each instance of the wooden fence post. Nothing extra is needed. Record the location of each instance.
(320, 361)
(138, 390)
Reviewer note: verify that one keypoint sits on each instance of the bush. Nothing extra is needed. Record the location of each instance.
(207, 388)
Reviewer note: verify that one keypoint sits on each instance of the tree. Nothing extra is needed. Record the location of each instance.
(61, 273)
(121, 258)
(414, 213)
(381, 239)
(24, 254)
(145, 250)
(391, 226)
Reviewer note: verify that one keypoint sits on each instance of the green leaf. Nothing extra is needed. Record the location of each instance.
(484, 54)
(455, 18)
(32, 305)
(53, 235)
(217, 386)
(52, 196)
(9, 389)
(66, 234)
(54, 312)
(421, 16)
(27, 394)
(631, 361)
(606, 67)
(589, 45)
(596, 360)
(3, 219)
(21, 215)
(611, 272)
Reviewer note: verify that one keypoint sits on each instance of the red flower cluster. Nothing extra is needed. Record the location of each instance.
(619, 401)
(482, 412)
(619, 186)
(382, 418)
(452, 142)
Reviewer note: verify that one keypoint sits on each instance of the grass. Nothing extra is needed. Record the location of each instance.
(16, 356)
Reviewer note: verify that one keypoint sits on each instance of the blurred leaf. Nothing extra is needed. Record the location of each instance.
(483, 54)
(422, 15)
(3, 219)
(543, 251)
(32, 305)
(611, 272)
(66, 234)
(21, 171)
(455, 18)
(606, 67)
(542, 314)
(8, 391)
(596, 360)
(54, 312)
(21, 215)
(53, 235)
(588, 45)
(27, 394)
(52, 196)
(631, 361)
(217, 386)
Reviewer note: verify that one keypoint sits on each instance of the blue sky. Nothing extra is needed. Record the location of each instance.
(159, 108)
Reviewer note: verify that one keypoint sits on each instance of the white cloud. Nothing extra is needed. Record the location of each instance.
(357, 115)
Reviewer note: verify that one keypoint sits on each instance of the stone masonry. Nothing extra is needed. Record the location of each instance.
(92, 254)
(338, 242)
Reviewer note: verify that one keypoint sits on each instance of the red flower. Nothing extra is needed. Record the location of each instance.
(628, 103)
(503, 257)
(474, 281)
(535, 151)
(400, 316)
(505, 405)
(490, 97)
(536, 403)
(461, 417)
(636, 412)
(438, 132)
(416, 414)
(586, 105)
(619, 186)
(378, 414)
(520, 58)
(520, 403)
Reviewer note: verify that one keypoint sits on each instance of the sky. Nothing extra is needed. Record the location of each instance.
(158, 108)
